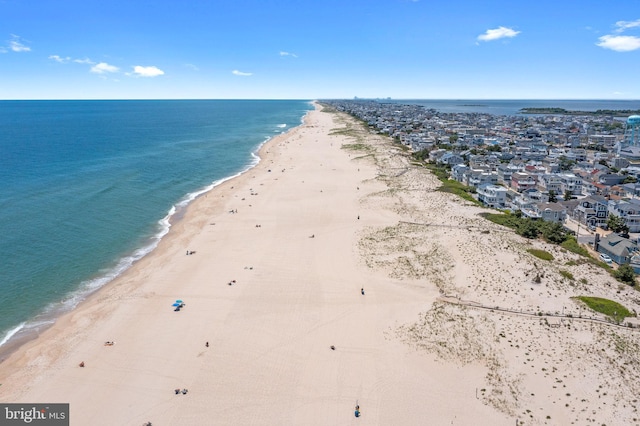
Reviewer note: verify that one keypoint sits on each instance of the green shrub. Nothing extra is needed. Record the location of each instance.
(541, 254)
(625, 274)
(568, 275)
(607, 307)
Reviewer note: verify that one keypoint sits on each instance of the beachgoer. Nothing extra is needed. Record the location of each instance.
(207, 344)
(177, 391)
(82, 364)
(358, 217)
(184, 391)
(333, 348)
(362, 291)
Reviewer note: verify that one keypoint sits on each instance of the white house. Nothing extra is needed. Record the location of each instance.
(494, 196)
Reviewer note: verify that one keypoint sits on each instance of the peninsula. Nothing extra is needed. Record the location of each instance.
(342, 279)
(562, 111)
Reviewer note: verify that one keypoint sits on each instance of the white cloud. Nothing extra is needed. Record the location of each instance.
(16, 45)
(498, 33)
(619, 43)
(288, 54)
(244, 74)
(59, 58)
(151, 71)
(84, 61)
(625, 25)
(103, 68)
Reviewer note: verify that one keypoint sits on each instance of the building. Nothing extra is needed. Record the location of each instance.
(550, 212)
(628, 210)
(493, 196)
(592, 211)
(619, 249)
(521, 181)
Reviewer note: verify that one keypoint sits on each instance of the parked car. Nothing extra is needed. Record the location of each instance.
(605, 258)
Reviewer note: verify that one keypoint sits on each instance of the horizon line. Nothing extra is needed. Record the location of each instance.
(321, 99)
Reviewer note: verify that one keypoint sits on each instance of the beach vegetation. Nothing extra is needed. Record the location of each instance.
(572, 245)
(568, 275)
(528, 229)
(541, 254)
(553, 232)
(421, 155)
(356, 146)
(612, 309)
(452, 186)
(508, 219)
(625, 274)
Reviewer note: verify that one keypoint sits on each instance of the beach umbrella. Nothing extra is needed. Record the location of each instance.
(176, 304)
(178, 301)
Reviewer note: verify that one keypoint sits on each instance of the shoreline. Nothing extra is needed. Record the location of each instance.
(31, 329)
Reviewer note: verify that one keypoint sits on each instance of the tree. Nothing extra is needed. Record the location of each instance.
(553, 232)
(552, 196)
(528, 229)
(421, 155)
(564, 163)
(625, 274)
(567, 195)
(617, 224)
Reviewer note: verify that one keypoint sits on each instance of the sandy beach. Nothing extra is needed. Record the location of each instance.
(281, 257)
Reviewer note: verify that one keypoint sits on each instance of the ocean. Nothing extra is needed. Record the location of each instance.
(89, 187)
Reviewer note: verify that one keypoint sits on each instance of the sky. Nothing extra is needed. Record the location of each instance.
(319, 49)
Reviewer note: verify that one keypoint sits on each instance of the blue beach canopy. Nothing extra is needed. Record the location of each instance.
(178, 301)
(176, 304)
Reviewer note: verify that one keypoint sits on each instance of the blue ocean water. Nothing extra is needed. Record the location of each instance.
(88, 187)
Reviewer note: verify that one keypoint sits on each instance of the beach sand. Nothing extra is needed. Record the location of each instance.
(281, 254)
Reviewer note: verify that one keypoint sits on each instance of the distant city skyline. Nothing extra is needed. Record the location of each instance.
(251, 49)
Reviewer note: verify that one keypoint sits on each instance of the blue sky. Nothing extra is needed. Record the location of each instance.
(311, 49)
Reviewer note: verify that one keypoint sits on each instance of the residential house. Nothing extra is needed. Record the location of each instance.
(550, 212)
(505, 172)
(628, 210)
(494, 196)
(477, 177)
(551, 182)
(571, 183)
(619, 249)
(521, 181)
(591, 211)
(451, 159)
